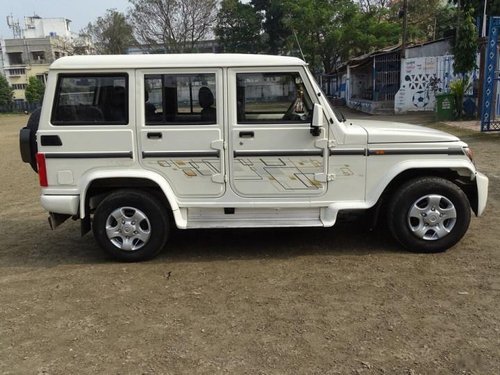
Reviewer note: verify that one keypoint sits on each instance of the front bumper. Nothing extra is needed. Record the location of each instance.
(482, 192)
(61, 204)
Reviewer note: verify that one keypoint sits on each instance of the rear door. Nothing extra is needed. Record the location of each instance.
(272, 152)
(90, 125)
(180, 122)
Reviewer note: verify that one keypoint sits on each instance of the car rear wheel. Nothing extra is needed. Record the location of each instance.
(429, 215)
(131, 225)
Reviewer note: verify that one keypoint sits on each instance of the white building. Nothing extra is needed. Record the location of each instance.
(37, 27)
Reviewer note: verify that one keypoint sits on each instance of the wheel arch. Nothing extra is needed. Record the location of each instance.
(460, 175)
(97, 184)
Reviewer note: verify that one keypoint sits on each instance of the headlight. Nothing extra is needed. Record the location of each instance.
(469, 153)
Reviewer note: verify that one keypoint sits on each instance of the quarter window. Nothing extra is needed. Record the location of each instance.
(272, 98)
(180, 99)
(91, 99)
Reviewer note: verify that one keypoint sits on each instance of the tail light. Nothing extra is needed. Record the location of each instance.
(42, 169)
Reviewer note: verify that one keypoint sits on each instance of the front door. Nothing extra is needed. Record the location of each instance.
(271, 149)
(181, 128)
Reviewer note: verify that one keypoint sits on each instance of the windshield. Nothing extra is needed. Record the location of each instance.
(338, 113)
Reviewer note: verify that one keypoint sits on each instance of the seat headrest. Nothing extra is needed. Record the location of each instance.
(205, 97)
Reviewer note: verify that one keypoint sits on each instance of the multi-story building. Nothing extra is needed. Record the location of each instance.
(29, 54)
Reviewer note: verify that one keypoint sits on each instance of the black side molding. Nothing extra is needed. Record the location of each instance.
(88, 155)
(347, 152)
(278, 153)
(181, 154)
(429, 151)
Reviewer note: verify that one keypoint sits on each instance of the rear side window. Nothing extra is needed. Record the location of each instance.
(272, 98)
(180, 99)
(91, 99)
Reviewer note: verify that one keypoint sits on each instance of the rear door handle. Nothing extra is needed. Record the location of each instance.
(154, 135)
(50, 140)
(247, 134)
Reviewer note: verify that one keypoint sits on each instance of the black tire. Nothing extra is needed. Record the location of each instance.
(131, 205)
(32, 125)
(428, 215)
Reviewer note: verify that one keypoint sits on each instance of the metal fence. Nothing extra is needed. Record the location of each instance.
(19, 106)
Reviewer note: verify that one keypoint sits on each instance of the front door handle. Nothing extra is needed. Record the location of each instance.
(154, 135)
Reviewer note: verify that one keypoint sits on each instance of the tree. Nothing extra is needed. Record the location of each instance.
(317, 25)
(492, 6)
(369, 6)
(427, 20)
(464, 50)
(174, 25)
(34, 90)
(110, 34)
(276, 31)
(238, 27)
(333, 30)
(6, 93)
(365, 32)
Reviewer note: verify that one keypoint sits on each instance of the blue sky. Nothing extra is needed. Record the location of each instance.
(80, 12)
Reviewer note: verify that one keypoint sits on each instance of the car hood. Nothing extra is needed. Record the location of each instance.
(398, 132)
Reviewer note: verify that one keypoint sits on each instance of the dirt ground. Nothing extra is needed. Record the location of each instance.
(302, 301)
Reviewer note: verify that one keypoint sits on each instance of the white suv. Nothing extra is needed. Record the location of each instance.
(130, 144)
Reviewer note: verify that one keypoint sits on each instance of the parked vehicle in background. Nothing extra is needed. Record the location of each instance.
(132, 144)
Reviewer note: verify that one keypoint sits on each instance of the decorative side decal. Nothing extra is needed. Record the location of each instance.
(283, 173)
(191, 167)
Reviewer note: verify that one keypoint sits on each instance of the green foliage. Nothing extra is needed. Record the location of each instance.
(329, 30)
(492, 6)
(427, 20)
(34, 90)
(6, 92)
(369, 31)
(276, 31)
(319, 25)
(458, 88)
(238, 27)
(465, 45)
(111, 34)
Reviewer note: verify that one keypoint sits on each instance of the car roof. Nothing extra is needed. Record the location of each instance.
(172, 61)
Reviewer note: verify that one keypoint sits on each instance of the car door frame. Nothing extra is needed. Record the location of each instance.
(216, 144)
(320, 142)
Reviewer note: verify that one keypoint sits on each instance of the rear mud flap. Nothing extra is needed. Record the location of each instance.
(57, 219)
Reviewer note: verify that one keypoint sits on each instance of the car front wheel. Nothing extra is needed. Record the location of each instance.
(429, 215)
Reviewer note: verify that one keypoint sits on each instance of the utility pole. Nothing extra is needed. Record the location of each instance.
(483, 31)
(405, 28)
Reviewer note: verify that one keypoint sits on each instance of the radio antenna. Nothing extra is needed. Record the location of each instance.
(298, 44)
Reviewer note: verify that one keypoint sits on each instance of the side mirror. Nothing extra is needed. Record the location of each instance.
(317, 120)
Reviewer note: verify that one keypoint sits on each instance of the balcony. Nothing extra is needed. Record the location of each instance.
(15, 72)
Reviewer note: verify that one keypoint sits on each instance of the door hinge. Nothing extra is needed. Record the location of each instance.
(218, 144)
(321, 143)
(219, 178)
(324, 177)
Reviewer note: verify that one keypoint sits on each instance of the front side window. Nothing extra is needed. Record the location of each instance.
(272, 98)
(180, 99)
(91, 99)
